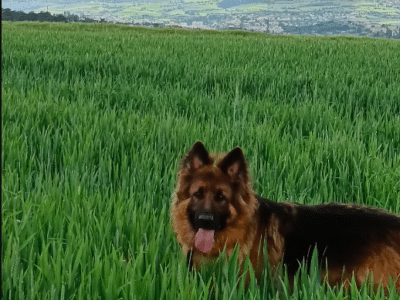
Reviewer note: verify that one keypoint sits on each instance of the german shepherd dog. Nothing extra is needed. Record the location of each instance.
(214, 207)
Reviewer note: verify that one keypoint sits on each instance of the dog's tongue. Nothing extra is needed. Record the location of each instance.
(204, 240)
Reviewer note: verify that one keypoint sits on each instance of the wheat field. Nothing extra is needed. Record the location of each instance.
(96, 117)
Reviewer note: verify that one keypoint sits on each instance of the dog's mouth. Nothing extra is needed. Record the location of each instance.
(204, 240)
(207, 224)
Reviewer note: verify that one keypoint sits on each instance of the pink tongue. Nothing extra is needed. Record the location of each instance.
(204, 240)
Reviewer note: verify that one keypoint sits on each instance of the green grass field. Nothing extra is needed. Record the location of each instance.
(95, 119)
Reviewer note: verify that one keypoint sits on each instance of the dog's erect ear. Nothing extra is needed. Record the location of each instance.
(196, 158)
(234, 165)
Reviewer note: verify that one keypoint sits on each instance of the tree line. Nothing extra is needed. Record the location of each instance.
(11, 15)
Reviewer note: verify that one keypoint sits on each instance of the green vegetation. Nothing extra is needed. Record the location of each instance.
(95, 119)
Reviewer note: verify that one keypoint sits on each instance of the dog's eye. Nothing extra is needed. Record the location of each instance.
(199, 194)
(219, 196)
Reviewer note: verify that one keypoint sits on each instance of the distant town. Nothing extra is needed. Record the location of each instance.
(305, 23)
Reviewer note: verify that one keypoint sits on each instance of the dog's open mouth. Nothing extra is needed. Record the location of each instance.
(204, 240)
(207, 224)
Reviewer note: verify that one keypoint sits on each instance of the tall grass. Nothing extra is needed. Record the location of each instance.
(96, 117)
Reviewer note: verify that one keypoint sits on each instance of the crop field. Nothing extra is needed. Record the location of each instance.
(95, 119)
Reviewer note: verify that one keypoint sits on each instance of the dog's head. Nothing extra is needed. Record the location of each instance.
(212, 198)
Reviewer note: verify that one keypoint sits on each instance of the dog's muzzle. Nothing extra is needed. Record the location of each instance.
(207, 221)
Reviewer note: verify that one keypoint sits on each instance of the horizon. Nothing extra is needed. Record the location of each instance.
(367, 18)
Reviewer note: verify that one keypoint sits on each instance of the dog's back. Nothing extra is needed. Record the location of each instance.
(351, 239)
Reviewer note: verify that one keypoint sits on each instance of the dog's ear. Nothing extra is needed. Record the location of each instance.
(234, 165)
(196, 158)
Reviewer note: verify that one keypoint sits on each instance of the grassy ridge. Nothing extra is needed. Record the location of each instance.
(96, 117)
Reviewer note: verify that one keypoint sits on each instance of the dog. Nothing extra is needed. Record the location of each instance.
(214, 206)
